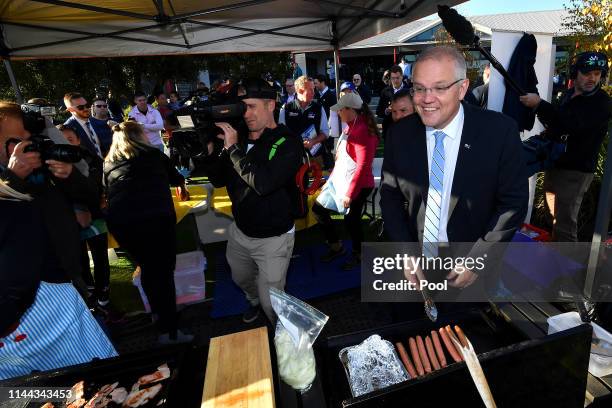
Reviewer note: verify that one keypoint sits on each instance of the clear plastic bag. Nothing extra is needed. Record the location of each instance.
(298, 326)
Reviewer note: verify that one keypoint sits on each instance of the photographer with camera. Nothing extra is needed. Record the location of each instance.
(32, 164)
(582, 116)
(259, 173)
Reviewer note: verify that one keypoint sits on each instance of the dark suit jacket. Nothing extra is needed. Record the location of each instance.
(85, 141)
(327, 100)
(365, 93)
(383, 103)
(489, 193)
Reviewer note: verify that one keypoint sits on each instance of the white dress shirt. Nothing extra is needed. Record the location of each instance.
(451, 142)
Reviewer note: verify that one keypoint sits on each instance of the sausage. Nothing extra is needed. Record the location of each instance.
(415, 356)
(431, 353)
(461, 336)
(438, 346)
(405, 359)
(451, 335)
(450, 347)
(423, 354)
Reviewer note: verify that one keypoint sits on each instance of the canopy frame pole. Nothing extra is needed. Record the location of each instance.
(221, 8)
(14, 83)
(97, 9)
(602, 221)
(336, 51)
(180, 25)
(271, 31)
(89, 36)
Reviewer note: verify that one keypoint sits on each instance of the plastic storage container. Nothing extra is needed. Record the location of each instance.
(599, 366)
(188, 280)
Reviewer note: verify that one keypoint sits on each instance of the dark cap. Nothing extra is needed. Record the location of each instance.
(591, 61)
(258, 89)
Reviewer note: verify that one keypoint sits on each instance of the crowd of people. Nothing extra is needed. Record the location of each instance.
(452, 172)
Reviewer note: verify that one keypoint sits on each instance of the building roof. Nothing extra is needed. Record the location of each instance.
(546, 22)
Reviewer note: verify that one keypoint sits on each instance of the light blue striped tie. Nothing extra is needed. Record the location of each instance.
(434, 198)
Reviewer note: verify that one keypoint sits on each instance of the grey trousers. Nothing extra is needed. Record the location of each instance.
(258, 264)
(564, 192)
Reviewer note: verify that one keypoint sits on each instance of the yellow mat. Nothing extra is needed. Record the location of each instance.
(221, 203)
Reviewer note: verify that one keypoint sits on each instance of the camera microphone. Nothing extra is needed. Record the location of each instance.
(457, 26)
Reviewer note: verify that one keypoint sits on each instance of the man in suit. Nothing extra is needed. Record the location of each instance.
(383, 111)
(362, 89)
(453, 172)
(77, 105)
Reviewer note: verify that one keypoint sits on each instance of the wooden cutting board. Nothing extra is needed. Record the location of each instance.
(239, 371)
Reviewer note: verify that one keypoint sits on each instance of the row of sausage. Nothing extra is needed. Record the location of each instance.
(428, 355)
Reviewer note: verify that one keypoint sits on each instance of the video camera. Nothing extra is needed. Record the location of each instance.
(198, 118)
(34, 122)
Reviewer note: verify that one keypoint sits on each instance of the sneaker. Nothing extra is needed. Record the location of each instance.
(353, 262)
(251, 314)
(181, 337)
(331, 254)
(103, 297)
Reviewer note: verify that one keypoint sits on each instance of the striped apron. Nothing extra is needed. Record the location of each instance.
(58, 330)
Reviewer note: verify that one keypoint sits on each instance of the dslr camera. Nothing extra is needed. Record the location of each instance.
(34, 121)
(197, 120)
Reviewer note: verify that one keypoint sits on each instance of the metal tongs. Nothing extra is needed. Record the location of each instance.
(430, 307)
(464, 346)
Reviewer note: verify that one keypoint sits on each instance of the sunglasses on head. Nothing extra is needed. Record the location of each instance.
(82, 107)
(101, 106)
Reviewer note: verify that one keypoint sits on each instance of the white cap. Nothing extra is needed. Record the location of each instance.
(349, 100)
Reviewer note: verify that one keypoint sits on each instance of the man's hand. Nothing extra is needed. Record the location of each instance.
(183, 193)
(308, 144)
(346, 202)
(83, 218)
(59, 169)
(229, 136)
(531, 100)
(414, 275)
(21, 163)
(461, 277)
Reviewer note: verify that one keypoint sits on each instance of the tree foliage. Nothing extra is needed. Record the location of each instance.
(51, 79)
(590, 23)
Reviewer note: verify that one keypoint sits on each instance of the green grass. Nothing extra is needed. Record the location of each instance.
(125, 296)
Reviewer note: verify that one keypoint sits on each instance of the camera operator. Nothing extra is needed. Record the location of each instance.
(582, 115)
(53, 184)
(259, 174)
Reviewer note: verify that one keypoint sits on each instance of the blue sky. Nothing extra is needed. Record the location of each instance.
(479, 7)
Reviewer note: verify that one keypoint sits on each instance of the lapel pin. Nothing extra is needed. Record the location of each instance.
(467, 146)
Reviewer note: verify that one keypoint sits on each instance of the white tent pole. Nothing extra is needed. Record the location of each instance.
(337, 80)
(11, 74)
(602, 220)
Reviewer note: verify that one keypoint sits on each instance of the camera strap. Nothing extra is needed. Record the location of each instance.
(274, 147)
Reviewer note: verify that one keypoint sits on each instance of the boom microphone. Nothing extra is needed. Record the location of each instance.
(457, 26)
(462, 32)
